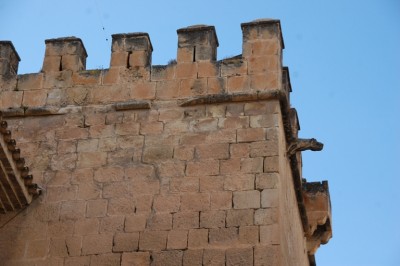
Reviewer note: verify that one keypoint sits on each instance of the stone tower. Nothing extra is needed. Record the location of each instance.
(197, 162)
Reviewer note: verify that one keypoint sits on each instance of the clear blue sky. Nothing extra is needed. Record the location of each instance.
(344, 61)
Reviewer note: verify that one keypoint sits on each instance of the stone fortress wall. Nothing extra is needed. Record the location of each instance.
(139, 164)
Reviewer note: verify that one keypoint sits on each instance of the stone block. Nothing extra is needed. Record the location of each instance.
(121, 206)
(73, 210)
(267, 81)
(269, 198)
(186, 70)
(195, 201)
(159, 221)
(266, 216)
(235, 109)
(127, 128)
(37, 249)
(224, 236)
(135, 258)
(239, 182)
(96, 208)
(251, 134)
(197, 238)
(172, 169)
(89, 77)
(113, 259)
(239, 217)
(249, 235)
(88, 191)
(143, 203)
(111, 224)
(214, 257)
(30, 81)
(35, 98)
(86, 145)
(59, 229)
(264, 148)
(262, 64)
(221, 136)
(152, 128)
(231, 166)
(167, 203)
(117, 189)
(211, 183)
(246, 199)
(155, 154)
(221, 200)
(186, 220)
(139, 172)
(251, 165)
(167, 258)
(271, 164)
(216, 151)
(91, 159)
(153, 240)
(74, 245)
(167, 89)
(125, 242)
(212, 219)
(193, 257)
(177, 239)
(97, 244)
(203, 167)
(239, 150)
(207, 69)
(216, 85)
(264, 120)
(77, 261)
(192, 87)
(239, 256)
(269, 234)
(185, 153)
(203, 124)
(61, 193)
(63, 161)
(261, 108)
(234, 122)
(267, 255)
(109, 174)
(87, 226)
(237, 84)
(135, 222)
(267, 180)
(101, 131)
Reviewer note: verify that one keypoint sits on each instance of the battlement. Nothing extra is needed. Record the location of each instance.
(185, 163)
(195, 72)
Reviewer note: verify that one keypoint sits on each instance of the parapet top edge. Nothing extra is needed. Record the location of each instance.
(12, 47)
(199, 27)
(260, 22)
(63, 39)
(66, 39)
(129, 34)
(264, 21)
(132, 34)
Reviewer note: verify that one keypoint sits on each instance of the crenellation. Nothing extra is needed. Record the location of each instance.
(131, 50)
(9, 59)
(197, 43)
(66, 53)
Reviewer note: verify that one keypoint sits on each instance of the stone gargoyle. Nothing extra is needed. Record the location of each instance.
(303, 145)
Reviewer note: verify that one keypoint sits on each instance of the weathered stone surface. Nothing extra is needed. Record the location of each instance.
(193, 163)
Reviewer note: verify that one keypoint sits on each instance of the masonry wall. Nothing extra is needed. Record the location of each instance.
(183, 164)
